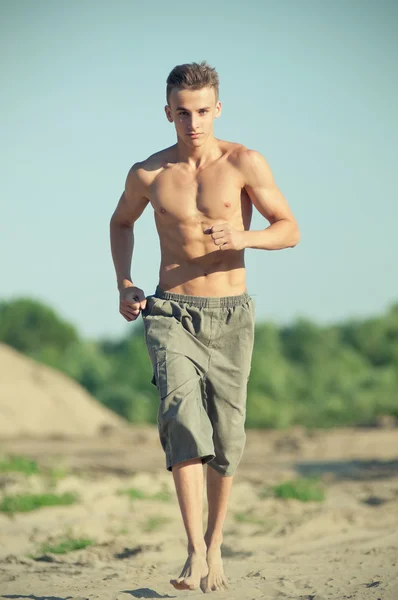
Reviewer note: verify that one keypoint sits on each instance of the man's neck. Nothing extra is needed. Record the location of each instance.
(198, 157)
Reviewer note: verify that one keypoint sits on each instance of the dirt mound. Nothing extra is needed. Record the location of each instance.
(40, 401)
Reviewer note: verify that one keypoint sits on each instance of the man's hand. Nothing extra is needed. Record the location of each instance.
(226, 237)
(132, 301)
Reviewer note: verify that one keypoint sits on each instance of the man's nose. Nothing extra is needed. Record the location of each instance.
(194, 122)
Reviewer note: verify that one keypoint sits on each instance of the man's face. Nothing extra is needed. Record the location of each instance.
(193, 113)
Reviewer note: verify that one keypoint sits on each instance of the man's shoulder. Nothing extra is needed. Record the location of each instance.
(150, 167)
(240, 155)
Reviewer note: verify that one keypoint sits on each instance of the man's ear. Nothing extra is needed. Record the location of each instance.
(218, 110)
(167, 110)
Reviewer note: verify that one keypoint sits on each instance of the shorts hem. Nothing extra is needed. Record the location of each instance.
(221, 471)
(205, 457)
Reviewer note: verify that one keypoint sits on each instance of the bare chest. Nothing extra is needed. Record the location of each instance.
(180, 195)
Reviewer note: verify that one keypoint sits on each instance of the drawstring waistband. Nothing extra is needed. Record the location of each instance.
(204, 301)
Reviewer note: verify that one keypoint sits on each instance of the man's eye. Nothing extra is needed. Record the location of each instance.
(203, 112)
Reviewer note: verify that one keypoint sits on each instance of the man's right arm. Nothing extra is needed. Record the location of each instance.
(130, 207)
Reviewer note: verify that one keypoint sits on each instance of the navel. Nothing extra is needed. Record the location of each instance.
(227, 204)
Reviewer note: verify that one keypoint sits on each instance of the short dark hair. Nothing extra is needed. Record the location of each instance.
(192, 76)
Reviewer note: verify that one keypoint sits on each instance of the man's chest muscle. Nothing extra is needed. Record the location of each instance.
(184, 196)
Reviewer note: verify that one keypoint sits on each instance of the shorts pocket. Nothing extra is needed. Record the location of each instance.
(151, 301)
(160, 373)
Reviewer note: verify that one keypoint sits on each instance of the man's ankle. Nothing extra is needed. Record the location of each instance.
(197, 548)
(213, 541)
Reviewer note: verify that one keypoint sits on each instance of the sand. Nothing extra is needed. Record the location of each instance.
(345, 547)
(38, 400)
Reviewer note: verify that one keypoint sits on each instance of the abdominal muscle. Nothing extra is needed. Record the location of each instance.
(192, 264)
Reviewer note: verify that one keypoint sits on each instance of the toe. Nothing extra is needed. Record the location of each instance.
(185, 583)
(203, 584)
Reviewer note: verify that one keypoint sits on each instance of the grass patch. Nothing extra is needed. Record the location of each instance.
(55, 474)
(245, 517)
(22, 464)
(19, 464)
(117, 531)
(305, 490)
(154, 523)
(66, 545)
(28, 502)
(135, 494)
(162, 496)
(58, 472)
(122, 531)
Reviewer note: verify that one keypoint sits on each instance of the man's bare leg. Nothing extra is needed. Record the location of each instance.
(218, 491)
(188, 480)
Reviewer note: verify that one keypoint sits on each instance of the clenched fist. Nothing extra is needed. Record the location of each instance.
(226, 237)
(132, 301)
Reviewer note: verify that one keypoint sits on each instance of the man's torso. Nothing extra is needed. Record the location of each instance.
(186, 203)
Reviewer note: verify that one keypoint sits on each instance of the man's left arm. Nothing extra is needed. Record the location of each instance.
(283, 231)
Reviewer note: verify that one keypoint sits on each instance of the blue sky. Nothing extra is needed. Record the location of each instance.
(311, 85)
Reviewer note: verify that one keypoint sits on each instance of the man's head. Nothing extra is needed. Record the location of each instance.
(192, 101)
(192, 76)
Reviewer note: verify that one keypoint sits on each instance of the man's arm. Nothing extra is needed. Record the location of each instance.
(259, 183)
(130, 207)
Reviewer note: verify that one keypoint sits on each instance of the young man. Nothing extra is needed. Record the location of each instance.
(199, 324)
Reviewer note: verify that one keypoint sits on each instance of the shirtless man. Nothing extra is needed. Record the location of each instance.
(199, 324)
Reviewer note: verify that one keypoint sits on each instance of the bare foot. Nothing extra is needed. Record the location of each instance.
(215, 579)
(193, 571)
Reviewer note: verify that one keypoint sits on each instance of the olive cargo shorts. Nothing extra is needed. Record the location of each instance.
(201, 350)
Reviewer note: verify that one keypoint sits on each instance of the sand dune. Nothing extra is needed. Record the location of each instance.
(40, 401)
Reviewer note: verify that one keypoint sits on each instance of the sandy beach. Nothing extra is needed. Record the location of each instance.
(345, 547)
